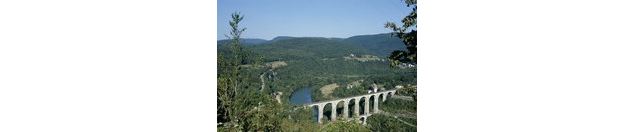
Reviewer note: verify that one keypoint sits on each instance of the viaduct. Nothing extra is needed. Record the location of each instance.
(355, 101)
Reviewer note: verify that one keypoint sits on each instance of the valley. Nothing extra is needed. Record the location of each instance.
(302, 70)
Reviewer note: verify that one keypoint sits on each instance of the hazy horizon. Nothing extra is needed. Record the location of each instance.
(225, 38)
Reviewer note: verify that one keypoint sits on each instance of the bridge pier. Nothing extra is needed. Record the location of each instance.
(376, 104)
(345, 111)
(366, 106)
(320, 111)
(383, 95)
(333, 111)
(356, 107)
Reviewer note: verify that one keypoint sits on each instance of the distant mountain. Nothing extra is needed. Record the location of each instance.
(337, 39)
(282, 38)
(379, 44)
(301, 47)
(289, 37)
(254, 41)
(245, 41)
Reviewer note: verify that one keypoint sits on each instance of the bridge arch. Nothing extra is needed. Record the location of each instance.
(372, 102)
(355, 107)
(341, 107)
(327, 110)
(352, 106)
(362, 119)
(382, 97)
(363, 103)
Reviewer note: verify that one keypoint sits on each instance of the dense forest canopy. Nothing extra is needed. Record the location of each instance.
(317, 61)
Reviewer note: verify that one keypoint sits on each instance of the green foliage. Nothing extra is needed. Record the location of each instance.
(240, 106)
(243, 41)
(409, 91)
(410, 120)
(383, 123)
(404, 110)
(344, 126)
(229, 80)
(307, 48)
(315, 62)
(399, 106)
(409, 38)
(265, 116)
(300, 120)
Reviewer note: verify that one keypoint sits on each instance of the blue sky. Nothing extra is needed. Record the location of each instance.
(267, 19)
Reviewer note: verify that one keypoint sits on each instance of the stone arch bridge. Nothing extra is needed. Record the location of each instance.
(355, 102)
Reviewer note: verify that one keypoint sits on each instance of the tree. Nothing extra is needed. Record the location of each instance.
(241, 107)
(408, 56)
(382, 123)
(344, 126)
(228, 76)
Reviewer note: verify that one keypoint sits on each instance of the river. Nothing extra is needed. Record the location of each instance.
(301, 96)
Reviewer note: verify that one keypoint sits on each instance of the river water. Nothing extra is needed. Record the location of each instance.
(301, 96)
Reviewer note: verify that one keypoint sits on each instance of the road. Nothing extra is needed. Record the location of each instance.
(262, 79)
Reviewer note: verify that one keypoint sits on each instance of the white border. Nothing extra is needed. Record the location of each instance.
(112, 66)
(534, 66)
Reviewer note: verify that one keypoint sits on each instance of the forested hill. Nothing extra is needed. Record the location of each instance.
(308, 48)
(318, 61)
(245, 41)
(378, 44)
(281, 38)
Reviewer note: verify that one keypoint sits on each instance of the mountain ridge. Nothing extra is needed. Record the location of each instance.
(381, 44)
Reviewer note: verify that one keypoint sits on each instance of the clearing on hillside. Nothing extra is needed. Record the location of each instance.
(276, 64)
(328, 89)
